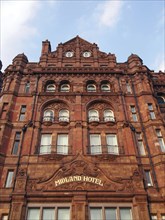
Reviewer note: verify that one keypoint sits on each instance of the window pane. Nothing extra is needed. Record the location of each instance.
(162, 145)
(153, 217)
(110, 213)
(15, 147)
(63, 214)
(48, 214)
(152, 114)
(141, 148)
(62, 144)
(96, 213)
(148, 178)
(33, 214)
(125, 214)
(5, 217)
(134, 116)
(95, 144)
(46, 140)
(9, 179)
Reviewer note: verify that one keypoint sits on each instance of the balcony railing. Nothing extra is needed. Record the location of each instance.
(103, 149)
(56, 149)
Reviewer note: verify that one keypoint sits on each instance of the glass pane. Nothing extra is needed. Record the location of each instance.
(95, 139)
(158, 132)
(125, 214)
(46, 139)
(96, 213)
(111, 140)
(152, 114)
(148, 178)
(48, 214)
(15, 147)
(33, 214)
(63, 214)
(141, 148)
(110, 213)
(150, 107)
(62, 144)
(9, 179)
(5, 217)
(134, 116)
(153, 217)
(22, 117)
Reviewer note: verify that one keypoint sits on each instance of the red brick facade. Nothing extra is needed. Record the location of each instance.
(81, 136)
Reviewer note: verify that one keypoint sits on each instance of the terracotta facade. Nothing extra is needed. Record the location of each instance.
(81, 136)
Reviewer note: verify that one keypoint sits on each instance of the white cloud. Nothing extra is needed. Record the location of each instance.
(108, 13)
(16, 27)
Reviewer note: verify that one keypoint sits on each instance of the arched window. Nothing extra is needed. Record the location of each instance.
(109, 115)
(93, 115)
(161, 100)
(91, 88)
(50, 88)
(48, 115)
(64, 88)
(64, 115)
(105, 88)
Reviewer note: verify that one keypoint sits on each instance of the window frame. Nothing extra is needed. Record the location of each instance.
(41, 207)
(93, 117)
(110, 117)
(22, 113)
(64, 118)
(134, 113)
(141, 148)
(151, 111)
(95, 148)
(48, 117)
(9, 179)
(16, 143)
(64, 89)
(90, 89)
(148, 178)
(47, 147)
(160, 140)
(108, 87)
(60, 148)
(53, 89)
(114, 205)
(115, 147)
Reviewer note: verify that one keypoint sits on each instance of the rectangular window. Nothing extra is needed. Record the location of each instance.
(4, 110)
(48, 213)
(128, 87)
(112, 144)
(9, 179)
(62, 144)
(154, 217)
(46, 142)
(148, 178)
(140, 143)
(16, 143)
(27, 87)
(22, 113)
(4, 217)
(95, 144)
(133, 111)
(151, 110)
(110, 213)
(160, 139)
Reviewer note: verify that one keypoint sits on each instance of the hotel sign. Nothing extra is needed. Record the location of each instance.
(69, 179)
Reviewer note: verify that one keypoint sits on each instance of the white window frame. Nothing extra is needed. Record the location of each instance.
(117, 208)
(48, 115)
(46, 148)
(95, 148)
(41, 207)
(140, 143)
(65, 88)
(134, 114)
(160, 139)
(151, 111)
(64, 115)
(50, 88)
(93, 115)
(112, 145)
(105, 87)
(91, 88)
(109, 115)
(62, 144)
(148, 178)
(9, 179)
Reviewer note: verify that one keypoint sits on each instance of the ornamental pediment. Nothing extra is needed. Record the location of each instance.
(80, 174)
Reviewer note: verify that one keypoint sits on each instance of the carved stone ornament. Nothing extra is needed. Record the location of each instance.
(80, 174)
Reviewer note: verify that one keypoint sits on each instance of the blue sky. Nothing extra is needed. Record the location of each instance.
(119, 27)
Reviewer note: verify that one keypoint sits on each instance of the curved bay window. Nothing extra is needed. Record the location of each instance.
(64, 115)
(105, 87)
(48, 115)
(65, 88)
(50, 88)
(93, 115)
(91, 88)
(109, 116)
